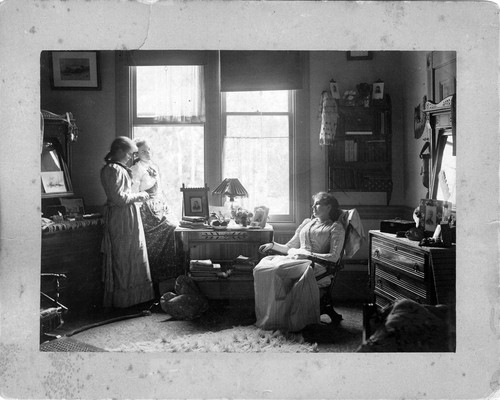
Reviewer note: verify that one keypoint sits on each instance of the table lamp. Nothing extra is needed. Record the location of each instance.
(231, 187)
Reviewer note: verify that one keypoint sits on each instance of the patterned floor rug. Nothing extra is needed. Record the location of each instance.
(221, 329)
(241, 339)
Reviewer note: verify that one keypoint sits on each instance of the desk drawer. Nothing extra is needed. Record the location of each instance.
(403, 258)
(249, 235)
(394, 282)
(231, 289)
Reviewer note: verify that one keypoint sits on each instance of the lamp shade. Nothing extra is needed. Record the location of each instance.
(232, 188)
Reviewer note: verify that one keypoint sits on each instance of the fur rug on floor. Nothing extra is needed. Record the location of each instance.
(240, 339)
(219, 329)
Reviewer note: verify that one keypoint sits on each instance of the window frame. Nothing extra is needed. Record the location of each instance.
(300, 156)
(273, 218)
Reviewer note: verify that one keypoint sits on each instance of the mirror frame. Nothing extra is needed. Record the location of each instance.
(442, 117)
(60, 130)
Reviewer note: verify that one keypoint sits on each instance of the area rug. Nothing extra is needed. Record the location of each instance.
(241, 339)
(68, 345)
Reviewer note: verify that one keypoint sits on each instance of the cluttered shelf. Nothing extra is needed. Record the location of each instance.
(221, 261)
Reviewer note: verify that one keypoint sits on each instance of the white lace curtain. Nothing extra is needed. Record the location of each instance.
(179, 93)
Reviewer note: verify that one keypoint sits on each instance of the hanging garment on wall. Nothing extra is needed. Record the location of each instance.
(329, 115)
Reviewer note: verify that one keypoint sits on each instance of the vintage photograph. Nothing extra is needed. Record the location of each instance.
(336, 233)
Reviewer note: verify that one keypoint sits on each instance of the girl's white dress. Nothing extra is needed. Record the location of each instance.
(286, 290)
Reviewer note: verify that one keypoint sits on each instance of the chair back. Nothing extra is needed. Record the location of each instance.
(353, 239)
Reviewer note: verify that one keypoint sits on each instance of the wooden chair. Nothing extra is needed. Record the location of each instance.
(333, 268)
(51, 310)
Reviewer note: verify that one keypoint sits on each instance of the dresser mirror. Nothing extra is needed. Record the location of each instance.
(444, 186)
(58, 132)
(56, 181)
(442, 149)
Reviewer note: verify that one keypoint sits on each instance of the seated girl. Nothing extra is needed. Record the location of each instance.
(286, 290)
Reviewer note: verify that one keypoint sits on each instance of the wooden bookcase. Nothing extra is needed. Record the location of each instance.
(360, 159)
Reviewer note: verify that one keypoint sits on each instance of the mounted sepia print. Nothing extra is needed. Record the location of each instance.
(75, 70)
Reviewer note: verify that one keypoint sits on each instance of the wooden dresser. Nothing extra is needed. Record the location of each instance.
(401, 269)
(73, 248)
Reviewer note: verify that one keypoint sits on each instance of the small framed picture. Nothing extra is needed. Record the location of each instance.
(260, 215)
(378, 91)
(75, 70)
(53, 182)
(195, 202)
(433, 212)
(359, 55)
(73, 206)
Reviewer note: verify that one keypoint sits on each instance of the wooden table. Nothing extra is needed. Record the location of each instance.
(222, 246)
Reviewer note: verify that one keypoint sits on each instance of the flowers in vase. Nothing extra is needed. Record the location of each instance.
(241, 216)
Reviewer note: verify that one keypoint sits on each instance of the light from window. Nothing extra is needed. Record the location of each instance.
(178, 152)
(257, 147)
(169, 113)
(173, 93)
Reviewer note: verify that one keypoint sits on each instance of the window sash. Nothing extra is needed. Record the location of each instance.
(289, 215)
(194, 114)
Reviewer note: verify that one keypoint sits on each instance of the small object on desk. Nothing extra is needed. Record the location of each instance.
(92, 216)
(192, 222)
(395, 225)
(415, 234)
(219, 225)
(193, 219)
(192, 225)
(58, 218)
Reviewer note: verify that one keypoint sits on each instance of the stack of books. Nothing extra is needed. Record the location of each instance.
(192, 222)
(204, 269)
(242, 266)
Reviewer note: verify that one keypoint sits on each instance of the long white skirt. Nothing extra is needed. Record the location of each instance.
(286, 294)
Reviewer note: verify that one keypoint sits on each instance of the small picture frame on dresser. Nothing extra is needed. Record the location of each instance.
(433, 212)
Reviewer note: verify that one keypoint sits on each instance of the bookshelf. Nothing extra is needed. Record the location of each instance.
(360, 159)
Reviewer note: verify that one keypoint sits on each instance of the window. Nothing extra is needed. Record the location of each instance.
(201, 132)
(258, 142)
(169, 111)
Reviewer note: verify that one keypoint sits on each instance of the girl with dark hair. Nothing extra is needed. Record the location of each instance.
(127, 279)
(286, 290)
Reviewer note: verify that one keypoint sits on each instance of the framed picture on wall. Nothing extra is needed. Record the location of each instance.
(359, 55)
(75, 70)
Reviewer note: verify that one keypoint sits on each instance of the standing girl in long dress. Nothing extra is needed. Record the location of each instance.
(158, 221)
(127, 279)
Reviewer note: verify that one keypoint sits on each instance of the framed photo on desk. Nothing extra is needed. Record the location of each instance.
(195, 202)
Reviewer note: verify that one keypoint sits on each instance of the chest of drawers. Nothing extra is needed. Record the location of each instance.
(401, 269)
(74, 249)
